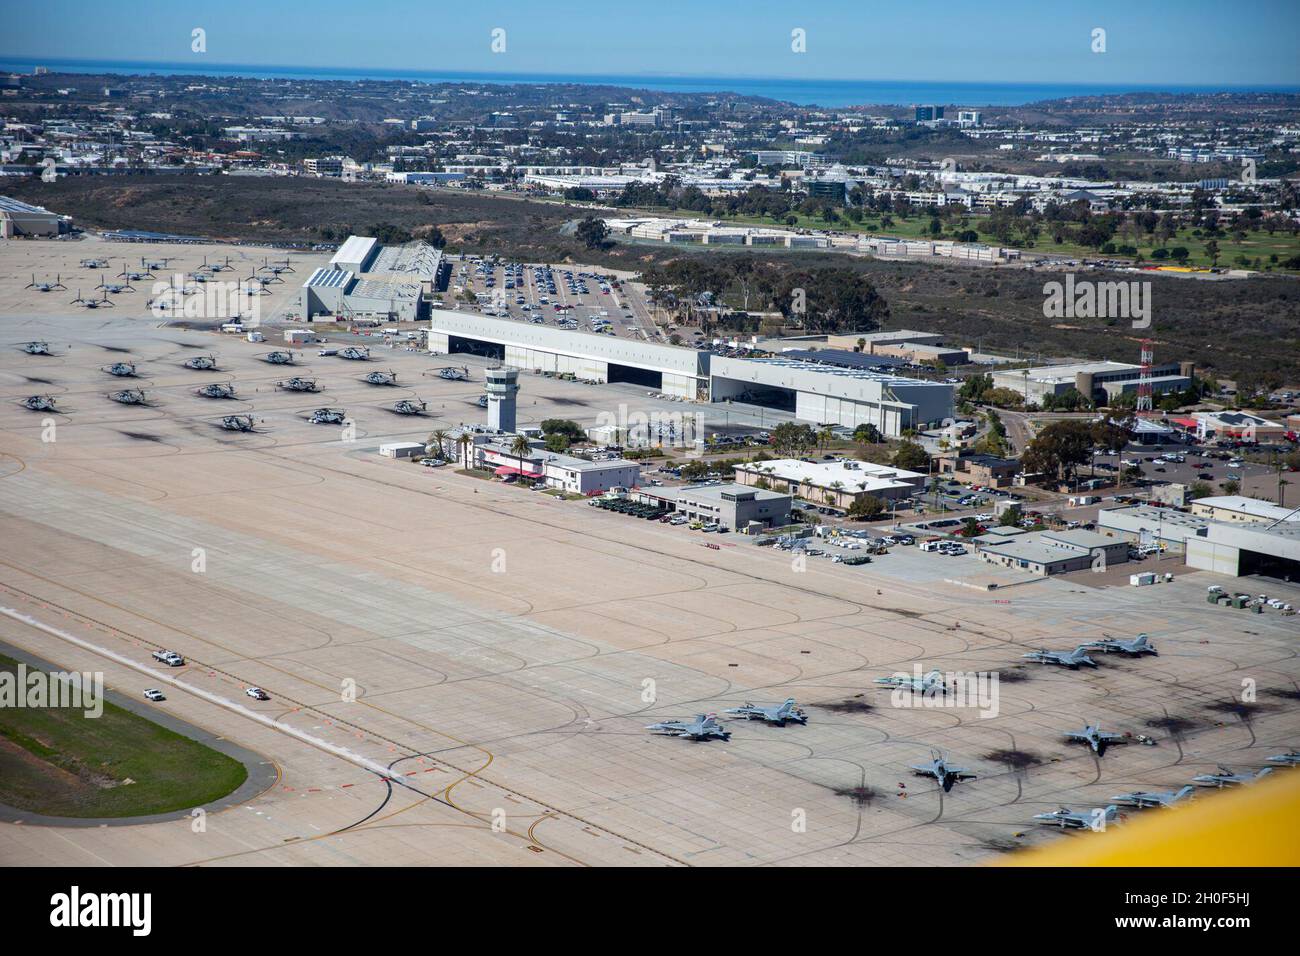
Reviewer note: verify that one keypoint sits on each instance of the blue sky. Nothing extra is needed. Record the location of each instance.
(1148, 42)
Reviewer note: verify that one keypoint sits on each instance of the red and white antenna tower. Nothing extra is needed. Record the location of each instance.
(1144, 406)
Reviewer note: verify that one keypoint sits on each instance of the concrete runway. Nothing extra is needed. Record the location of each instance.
(461, 671)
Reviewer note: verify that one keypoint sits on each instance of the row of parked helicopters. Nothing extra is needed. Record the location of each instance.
(255, 283)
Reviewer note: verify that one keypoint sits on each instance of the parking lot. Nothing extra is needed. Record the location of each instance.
(567, 297)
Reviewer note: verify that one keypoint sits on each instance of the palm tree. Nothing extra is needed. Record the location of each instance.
(464, 441)
(825, 437)
(520, 447)
(437, 441)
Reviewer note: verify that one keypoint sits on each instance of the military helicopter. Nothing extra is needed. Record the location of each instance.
(105, 302)
(248, 288)
(453, 374)
(216, 266)
(238, 423)
(121, 369)
(94, 263)
(355, 353)
(277, 268)
(202, 363)
(39, 403)
(46, 286)
(216, 390)
(408, 407)
(297, 384)
(36, 348)
(482, 401)
(130, 275)
(328, 416)
(129, 396)
(279, 358)
(380, 378)
(115, 287)
(154, 265)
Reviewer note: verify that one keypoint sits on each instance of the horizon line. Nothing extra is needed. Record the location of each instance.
(578, 78)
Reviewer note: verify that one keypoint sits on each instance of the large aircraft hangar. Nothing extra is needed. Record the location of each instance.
(831, 394)
(587, 355)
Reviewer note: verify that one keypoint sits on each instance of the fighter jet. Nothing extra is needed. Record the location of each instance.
(1226, 777)
(328, 416)
(216, 391)
(129, 396)
(1135, 648)
(39, 403)
(47, 286)
(380, 378)
(939, 769)
(238, 423)
(703, 727)
(780, 714)
(356, 353)
(931, 683)
(1071, 659)
(1289, 759)
(279, 358)
(1156, 798)
(121, 369)
(36, 348)
(1095, 819)
(202, 363)
(297, 384)
(1096, 738)
(408, 407)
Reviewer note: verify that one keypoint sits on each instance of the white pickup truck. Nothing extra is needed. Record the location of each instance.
(170, 658)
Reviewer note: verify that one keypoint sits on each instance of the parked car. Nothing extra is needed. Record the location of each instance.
(257, 693)
(154, 694)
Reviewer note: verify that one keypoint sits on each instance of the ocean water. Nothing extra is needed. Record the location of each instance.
(831, 93)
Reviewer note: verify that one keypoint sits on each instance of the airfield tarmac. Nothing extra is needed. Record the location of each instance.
(499, 641)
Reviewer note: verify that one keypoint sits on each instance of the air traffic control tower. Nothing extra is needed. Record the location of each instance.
(502, 386)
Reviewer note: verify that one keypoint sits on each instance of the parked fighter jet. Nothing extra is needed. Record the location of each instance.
(1095, 819)
(703, 727)
(36, 348)
(39, 403)
(380, 378)
(931, 683)
(780, 714)
(1096, 738)
(1071, 659)
(202, 363)
(408, 407)
(279, 358)
(129, 396)
(1289, 759)
(1135, 648)
(328, 416)
(121, 369)
(297, 384)
(1157, 798)
(216, 390)
(357, 353)
(939, 769)
(1226, 777)
(46, 286)
(238, 423)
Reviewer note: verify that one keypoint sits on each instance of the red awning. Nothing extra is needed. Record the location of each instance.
(504, 470)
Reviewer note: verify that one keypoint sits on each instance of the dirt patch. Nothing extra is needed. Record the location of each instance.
(140, 436)
(849, 705)
(1175, 727)
(1014, 759)
(862, 796)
